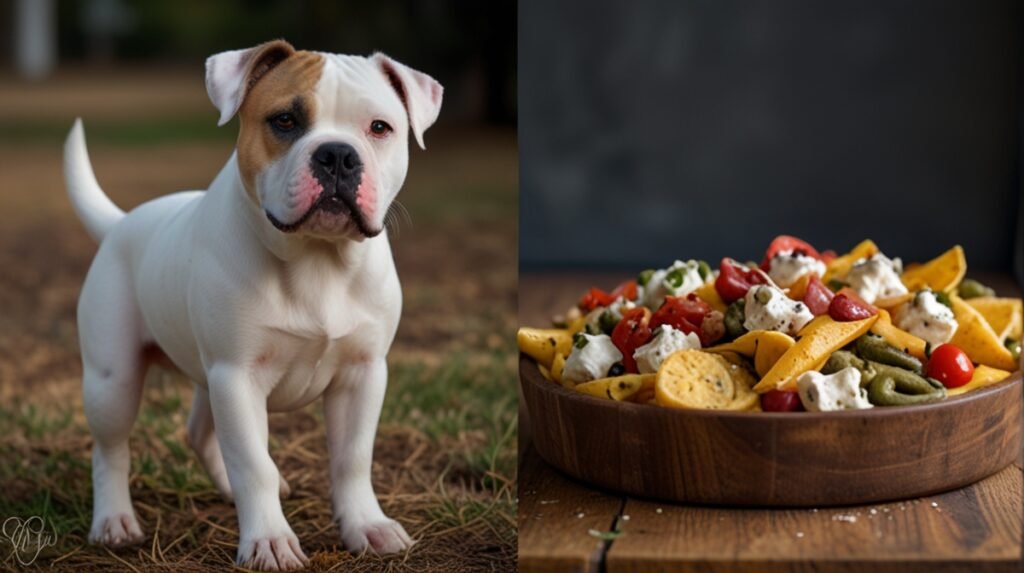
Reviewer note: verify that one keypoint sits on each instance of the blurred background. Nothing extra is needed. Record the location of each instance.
(704, 129)
(134, 71)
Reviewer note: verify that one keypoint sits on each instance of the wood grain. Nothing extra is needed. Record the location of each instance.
(555, 517)
(783, 460)
(972, 529)
(976, 529)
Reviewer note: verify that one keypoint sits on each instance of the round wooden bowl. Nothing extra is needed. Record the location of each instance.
(774, 459)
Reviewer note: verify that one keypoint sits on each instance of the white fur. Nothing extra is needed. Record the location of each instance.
(261, 320)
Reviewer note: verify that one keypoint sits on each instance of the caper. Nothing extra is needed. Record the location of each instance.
(763, 295)
(971, 288)
(1014, 347)
(607, 322)
(644, 277)
(579, 340)
(704, 270)
(734, 317)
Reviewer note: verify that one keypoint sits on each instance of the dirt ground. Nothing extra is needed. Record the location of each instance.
(445, 456)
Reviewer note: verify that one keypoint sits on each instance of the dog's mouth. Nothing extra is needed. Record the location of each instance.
(332, 204)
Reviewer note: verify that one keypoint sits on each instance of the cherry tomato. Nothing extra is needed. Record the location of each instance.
(734, 280)
(630, 333)
(951, 366)
(828, 256)
(781, 401)
(817, 297)
(626, 290)
(784, 243)
(844, 308)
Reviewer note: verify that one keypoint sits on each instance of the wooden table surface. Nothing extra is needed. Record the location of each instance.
(975, 529)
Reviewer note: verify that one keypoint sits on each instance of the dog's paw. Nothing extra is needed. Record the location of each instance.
(115, 530)
(381, 537)
(272, 553)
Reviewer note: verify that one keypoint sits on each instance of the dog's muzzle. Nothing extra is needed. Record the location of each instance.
(339, 170)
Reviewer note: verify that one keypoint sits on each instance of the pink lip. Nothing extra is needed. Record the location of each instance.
(366, 198)
(304, 192)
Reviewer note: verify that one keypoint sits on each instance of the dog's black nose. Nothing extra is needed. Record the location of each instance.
(339, 160)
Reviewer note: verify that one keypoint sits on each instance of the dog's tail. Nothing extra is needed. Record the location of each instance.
(97, 212)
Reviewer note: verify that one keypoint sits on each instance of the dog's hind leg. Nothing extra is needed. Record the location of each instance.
(203, 440)
(113, 369)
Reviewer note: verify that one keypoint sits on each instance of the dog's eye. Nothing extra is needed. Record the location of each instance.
(283, 121)
(380, 128)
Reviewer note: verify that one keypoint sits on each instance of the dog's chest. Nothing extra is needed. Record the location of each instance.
(296, 370)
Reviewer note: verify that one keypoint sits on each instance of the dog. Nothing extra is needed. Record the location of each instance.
(274, 287)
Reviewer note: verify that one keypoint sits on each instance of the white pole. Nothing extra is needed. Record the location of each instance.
(35, 38)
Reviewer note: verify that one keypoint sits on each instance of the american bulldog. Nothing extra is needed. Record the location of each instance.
(274, 287)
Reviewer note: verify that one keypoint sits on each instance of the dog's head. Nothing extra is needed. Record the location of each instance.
(322, 148)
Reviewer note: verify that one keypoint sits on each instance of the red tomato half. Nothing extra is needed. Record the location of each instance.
(817, 297)
(594, 298)
(630, 333)
(781, 401)
(734, 280)
(951, 366)
(626, 290)
(784, 243)
(685, 314)
(844, 308)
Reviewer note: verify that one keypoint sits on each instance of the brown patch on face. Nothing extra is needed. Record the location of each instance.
(287, 86)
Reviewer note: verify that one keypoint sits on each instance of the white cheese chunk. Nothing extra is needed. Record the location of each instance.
(680, 279)
(593, 360)
(926, 318)
(876, 278)
(666, 341)
(593, 320)
(787, 267)
(768, 308)
(828, 393)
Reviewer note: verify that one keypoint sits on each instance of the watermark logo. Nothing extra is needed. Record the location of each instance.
(29, 537)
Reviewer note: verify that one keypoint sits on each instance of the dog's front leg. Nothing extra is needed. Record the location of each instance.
(351, 410)
(240, 422)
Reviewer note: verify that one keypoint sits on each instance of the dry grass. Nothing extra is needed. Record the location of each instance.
(445, 455)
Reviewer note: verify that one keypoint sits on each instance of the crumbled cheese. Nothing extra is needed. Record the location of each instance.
(768, 308)
(666, 341)
(926, 318)
(827, 393)
(593, 320)
(788, 266)
(875, 278)
(593, 360)
(680, 279)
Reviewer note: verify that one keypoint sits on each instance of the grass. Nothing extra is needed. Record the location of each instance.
(458, 420)
(445, 455)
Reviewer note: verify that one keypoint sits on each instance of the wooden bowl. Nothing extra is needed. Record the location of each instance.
(775, 459)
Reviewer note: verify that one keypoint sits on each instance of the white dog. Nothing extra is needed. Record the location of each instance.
(272, 288)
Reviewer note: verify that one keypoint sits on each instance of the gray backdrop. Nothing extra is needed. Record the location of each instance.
(654, 130)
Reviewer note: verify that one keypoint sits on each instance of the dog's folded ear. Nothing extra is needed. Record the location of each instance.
(230, 75)
(420, 93)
